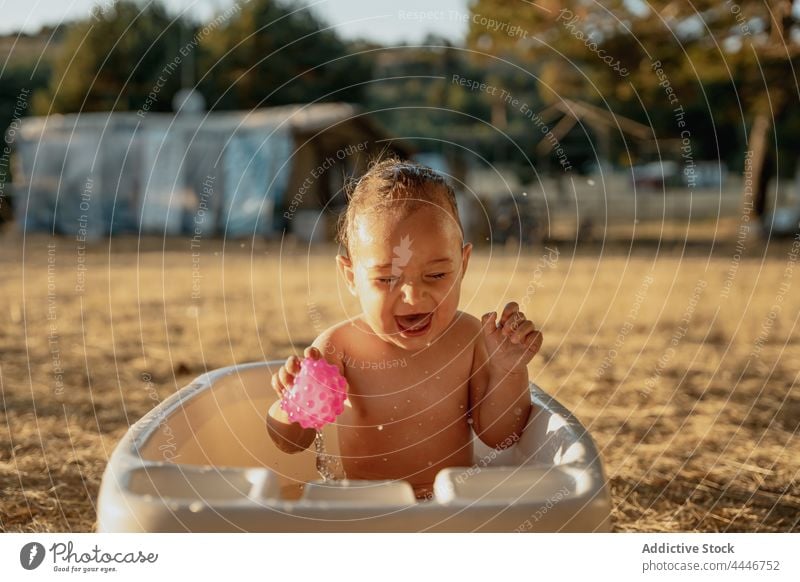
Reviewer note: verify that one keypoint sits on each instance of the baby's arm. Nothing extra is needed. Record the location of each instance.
(500, 401)
(289, 436)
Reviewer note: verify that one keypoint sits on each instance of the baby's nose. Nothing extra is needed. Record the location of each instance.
(412, 294)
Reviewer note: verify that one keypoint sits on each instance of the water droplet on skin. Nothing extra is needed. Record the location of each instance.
(517, 411)
(429, 463)
(438, 377)
(408, 401)
(380, 427)
(469, 421)
(196, 507)
(590, 182)
(524, 193)
(385, 459)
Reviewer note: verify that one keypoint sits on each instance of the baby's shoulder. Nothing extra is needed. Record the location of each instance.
(334, 336)
(466, 320)
(464, 323)
(333, 341)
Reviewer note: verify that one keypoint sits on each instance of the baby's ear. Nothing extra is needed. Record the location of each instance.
(466, 253)
(345, 265)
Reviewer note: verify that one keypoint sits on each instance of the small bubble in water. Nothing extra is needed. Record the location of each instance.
(590, 182)
(524, 193)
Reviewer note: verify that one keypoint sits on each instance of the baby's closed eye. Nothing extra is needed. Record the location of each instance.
(438, 276)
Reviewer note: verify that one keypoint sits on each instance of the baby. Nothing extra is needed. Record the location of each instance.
(421, 374)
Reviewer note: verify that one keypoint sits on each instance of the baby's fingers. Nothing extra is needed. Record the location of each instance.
(277, 386)
(513, 323)
(292, 365)
(489, 323)
(286, 379)
(525, 328)
(509, 310)
(534, 342)
(313, 353)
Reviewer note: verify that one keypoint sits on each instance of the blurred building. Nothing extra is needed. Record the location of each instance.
(235, 174)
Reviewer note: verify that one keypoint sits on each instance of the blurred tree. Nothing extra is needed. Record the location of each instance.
(271, 53)
(419, 97)
(112, 60)
(722, 59)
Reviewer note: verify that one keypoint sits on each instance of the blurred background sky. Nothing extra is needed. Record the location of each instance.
(375, 20)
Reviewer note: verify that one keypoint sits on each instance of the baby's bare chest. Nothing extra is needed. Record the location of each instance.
(405, 388)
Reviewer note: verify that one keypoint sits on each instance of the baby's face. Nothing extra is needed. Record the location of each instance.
(406, 271)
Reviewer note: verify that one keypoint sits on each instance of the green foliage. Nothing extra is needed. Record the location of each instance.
(417, 99)
(254, 54)
(111, 61)
(713, 54)
(271, 54)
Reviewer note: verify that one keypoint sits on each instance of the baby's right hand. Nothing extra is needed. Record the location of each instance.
(283, 379)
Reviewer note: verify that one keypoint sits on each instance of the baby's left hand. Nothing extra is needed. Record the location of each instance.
(513, 342)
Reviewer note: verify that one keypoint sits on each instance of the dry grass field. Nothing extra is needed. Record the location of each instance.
(668, 354)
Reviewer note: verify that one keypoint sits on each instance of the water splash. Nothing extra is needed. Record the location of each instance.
(327, 465)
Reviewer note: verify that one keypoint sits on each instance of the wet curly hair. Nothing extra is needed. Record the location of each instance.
(391, 184)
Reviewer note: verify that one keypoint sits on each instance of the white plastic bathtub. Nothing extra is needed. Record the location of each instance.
(202, 461)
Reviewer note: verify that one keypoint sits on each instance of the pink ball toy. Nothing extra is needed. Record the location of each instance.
(317, 396)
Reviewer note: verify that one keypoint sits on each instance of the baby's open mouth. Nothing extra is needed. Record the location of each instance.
(414, 323)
